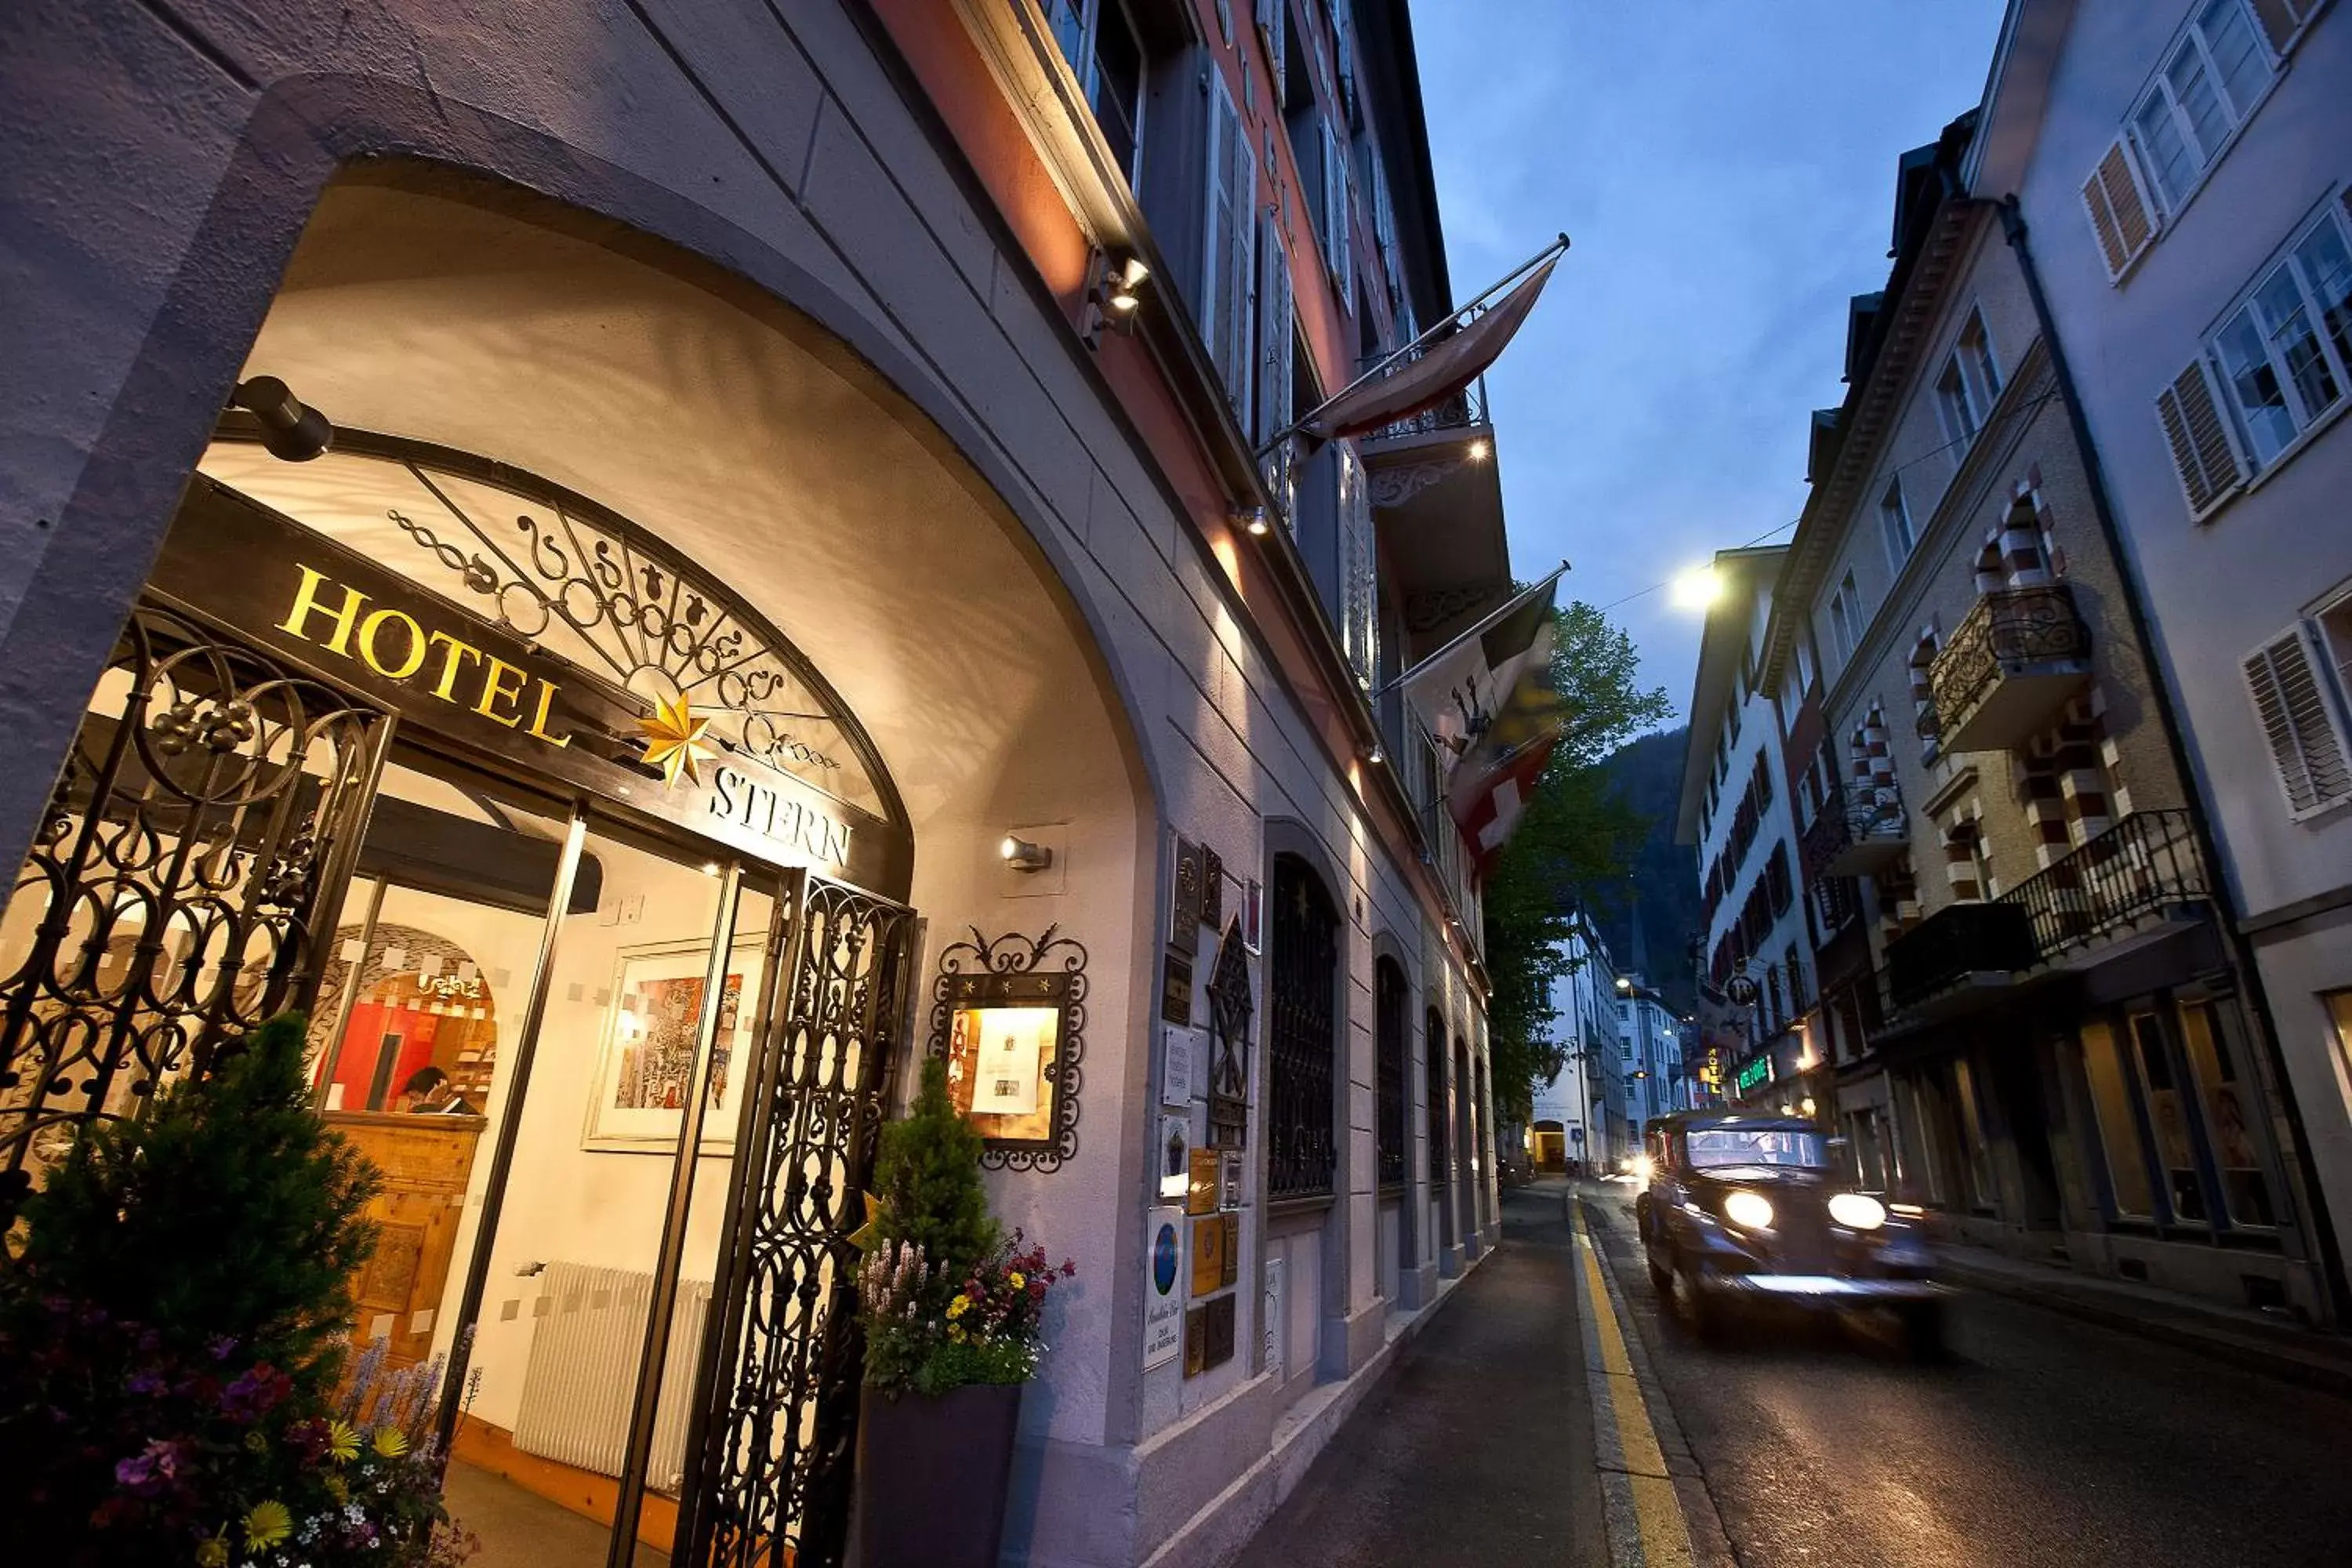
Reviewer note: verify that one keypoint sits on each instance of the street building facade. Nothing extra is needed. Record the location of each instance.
(2051, 1042)
(1652, 1050)
(650, 568)
(1580, 1117)
(1755, 974)
(2181, 176)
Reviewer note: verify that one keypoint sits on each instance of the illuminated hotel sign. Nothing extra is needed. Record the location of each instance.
(1754, 1075)
(479, 684)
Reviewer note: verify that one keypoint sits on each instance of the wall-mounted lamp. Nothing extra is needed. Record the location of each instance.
(1377, 754)
(1252, 520)
(1115, 298)
(1023, 856)
(290, 431)
(1480, 450)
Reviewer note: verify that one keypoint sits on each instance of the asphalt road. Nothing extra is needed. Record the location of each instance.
(2042, 1441)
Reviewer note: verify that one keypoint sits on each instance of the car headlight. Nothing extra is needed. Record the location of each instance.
(1643, 1166)
(1857, 1211)
(1750, 1211)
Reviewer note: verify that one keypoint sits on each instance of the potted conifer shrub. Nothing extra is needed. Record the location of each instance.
(953, 1309)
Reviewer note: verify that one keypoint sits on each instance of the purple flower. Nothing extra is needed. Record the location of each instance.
(146, 1472)
(254, 1390)
(147, 1382)
(222, 1347)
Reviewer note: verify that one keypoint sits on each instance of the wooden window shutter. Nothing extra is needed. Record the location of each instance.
(2203, 452)
(2120, 212)
(2307, 746)
(1359, 611)
(1273, 32)
(1276, 333)
(2282, 20)
(1228, 238)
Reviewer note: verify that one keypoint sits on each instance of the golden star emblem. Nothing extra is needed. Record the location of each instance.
(674, 740)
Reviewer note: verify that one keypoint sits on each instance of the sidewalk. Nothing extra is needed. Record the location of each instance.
(1476, 1450)
(2233, 1334)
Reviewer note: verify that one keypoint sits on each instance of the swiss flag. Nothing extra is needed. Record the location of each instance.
(1488, 815)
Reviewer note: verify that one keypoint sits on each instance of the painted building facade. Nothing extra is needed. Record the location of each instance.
(1581, 1112)
(798, 523)
(2182, 180)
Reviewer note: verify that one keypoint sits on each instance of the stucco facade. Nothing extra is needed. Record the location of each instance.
(797, 291)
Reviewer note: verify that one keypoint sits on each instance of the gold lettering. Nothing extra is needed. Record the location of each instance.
(836, 842)
(373, 625)
(722, 799)
(306, 600)
(496, 690)
(539, 718)
(446, 688)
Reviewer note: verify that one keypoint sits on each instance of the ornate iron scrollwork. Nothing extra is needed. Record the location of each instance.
(1302, 1144)
(1014, 969)
(1230, 1008)
(2008, 628)
(170, 900)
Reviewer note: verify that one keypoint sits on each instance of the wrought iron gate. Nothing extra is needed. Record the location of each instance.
(776, 1397)
(207, 812)
(1302, 1152)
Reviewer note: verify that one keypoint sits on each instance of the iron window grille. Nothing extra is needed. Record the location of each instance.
(1389, 1015)
(1302, 1152)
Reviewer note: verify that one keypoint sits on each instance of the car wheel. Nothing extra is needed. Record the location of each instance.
(1692, 1303)
(1922, 1331)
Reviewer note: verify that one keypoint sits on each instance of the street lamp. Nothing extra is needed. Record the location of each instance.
(1697, 588)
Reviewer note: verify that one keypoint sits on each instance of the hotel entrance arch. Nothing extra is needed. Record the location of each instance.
(478, 365)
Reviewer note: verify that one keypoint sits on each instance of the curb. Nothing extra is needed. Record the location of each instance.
(2325, 1374)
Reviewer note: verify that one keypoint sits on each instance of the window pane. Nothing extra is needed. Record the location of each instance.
(2163, 150)
(2170, 1117)
(2261, 400)
(2192, 90)
(1118, 84)
(2293, 342)
(2243, 65)
(2228, 1116)
(2111, 1100)
(2326, 264)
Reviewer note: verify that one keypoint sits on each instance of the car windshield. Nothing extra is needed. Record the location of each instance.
(1716, 1146)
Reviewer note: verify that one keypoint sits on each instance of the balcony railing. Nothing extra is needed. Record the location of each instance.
(1955, 943)
(2018, 655)
(1855, 833)
(1466, 410)
(2144, 866)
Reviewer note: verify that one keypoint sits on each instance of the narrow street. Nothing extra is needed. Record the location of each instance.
(2039, 1440)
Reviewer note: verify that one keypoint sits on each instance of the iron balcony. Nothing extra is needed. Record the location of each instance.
(2141, 872)
(2009, 668)
(1854, 834)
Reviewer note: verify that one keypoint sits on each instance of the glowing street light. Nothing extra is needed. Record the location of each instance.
(1697, 588)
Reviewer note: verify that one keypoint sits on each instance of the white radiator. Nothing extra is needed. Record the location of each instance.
(583, 1365)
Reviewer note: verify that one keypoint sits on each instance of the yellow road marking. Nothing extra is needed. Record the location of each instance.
(1666, 1542)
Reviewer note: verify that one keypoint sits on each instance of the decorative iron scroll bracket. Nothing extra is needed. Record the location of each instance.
(1013, 969)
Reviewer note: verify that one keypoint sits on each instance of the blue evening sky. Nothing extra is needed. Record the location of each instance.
(1726, 172)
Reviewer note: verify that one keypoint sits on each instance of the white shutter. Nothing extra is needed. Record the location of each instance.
(2307, 746)
(1276, 333)
(1227, 237)
(1359, 558)
(2282, 21)
(1273, 32)
(1343, 47)
(1335, 214)
(2121, 215)
(2203, 452)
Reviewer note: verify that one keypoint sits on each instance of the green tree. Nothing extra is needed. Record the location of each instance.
(926, 1179)
(229, 1212)
(1577, 833)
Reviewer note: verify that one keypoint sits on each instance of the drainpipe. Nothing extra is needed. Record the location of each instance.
(2331, 1258)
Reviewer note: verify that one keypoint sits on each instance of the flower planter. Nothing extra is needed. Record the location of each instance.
(932, 1473)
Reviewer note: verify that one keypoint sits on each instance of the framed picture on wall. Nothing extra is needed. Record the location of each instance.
(645, 1058)
(1008, 1015)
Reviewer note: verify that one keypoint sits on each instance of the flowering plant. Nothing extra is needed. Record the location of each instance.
(931, 1331)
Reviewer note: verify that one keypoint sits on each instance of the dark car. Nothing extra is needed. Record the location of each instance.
(1745, 1209)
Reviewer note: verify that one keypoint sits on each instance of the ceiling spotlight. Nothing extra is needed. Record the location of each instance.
(1024, 856)
(1253, 522)
(1125, 283)
(1376, 754)
(289, 431)
(1480, 450)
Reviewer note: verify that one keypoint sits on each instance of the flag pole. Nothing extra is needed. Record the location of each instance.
(1556, 247)
(1512, 603)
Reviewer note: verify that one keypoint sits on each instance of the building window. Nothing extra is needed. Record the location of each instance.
(1895, 521)
(2308, 749)
(2229, 1113)
(1969, 383)
(2169, 1116)
(1845, 618)
(1302, 1154)
(2339, 1015)
(1433, 1050)
(1804, 665)
(1388, 1041)
(2285, 355)
(2118, 1126)
(2203, 94)
(1099, 39)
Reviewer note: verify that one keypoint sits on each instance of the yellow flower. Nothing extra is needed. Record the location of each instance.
(338, 1488)
(955, 1332)
(959, 1306)
(212, 1553)
(342, 1442)
(254, 1443)
(391, 1442)
(1015, 1279)
(266, 1525)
